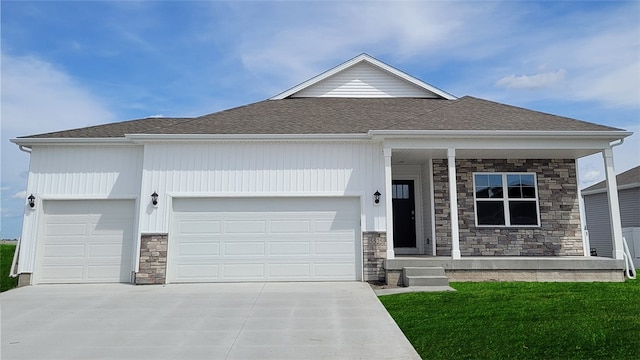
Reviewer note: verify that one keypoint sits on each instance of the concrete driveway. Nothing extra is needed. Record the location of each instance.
(342, 320)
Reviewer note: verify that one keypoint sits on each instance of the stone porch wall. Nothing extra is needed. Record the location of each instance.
(559, 233)
(153, 259)
(374, 251)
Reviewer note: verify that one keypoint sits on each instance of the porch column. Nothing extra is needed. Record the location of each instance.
(614, 207)
(388, 202)
(453, 202)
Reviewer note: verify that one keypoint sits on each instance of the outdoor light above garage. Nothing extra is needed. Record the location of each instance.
(154, 198)
(32, 201)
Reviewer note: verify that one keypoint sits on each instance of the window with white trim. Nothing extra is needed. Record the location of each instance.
(506, 199)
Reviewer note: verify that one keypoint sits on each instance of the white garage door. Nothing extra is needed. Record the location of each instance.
(264, 239)
(85, 241)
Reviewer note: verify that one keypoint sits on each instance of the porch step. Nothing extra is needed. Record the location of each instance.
(424, 276)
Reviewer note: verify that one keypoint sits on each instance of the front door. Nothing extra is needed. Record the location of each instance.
(404, 214)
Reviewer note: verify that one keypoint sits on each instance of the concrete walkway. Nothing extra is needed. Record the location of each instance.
(199, 321)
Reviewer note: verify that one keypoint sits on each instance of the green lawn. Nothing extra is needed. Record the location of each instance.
(6, 257)
(522, 321)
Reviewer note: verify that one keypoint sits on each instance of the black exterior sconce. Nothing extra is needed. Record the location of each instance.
(376, 197)
(32, 201)
(154, 198)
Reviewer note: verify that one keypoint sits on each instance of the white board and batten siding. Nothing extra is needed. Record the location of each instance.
(364, 80)
(64, 173)
(261, 169)
(264, 239)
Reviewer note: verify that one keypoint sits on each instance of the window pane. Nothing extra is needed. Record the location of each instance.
(513, 180)
(528, 192)
(515, 192)
(495, 180)
(394, 194)
(523, 213)
(490, 213)
(482, 180)
(526, 180)
(482, 192)
(405, 191)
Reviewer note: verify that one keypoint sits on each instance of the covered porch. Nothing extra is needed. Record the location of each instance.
(433, 205)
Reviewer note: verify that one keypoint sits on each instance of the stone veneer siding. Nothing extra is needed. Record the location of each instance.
(559, 233)
(374, 251)
(153, 259)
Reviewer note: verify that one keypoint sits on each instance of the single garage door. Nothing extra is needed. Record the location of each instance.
(85, 241)
(264, 239)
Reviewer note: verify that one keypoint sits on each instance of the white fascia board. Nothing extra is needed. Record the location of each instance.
(356, 60)
(493, 134)
(137, 138)
(28, 142)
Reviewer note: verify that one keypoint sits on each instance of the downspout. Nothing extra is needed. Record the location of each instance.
(24, 149)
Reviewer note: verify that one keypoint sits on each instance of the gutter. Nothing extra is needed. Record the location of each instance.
(492, 134)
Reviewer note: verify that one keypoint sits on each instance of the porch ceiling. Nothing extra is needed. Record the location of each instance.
(418, 156)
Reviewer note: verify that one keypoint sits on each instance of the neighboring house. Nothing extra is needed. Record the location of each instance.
(354, 174)
(596, 207)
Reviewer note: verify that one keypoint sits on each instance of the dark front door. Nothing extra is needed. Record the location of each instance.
(404, 214)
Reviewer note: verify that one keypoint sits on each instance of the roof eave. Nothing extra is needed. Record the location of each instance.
(27, 142)
(488, 134)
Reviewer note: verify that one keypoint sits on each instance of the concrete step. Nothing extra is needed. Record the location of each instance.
(424, 271)
(424, 276)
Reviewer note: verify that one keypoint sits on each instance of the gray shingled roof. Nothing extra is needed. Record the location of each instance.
(345, 116)
(629, 177)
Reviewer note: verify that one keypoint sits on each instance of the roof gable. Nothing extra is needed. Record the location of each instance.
(364, 77)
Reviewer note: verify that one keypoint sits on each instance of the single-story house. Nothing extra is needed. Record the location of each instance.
(597, 219)
(355, 174)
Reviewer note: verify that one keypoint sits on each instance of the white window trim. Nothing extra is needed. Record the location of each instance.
(505, 200)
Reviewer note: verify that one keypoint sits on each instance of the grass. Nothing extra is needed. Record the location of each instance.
(6, 257)
(522, 321)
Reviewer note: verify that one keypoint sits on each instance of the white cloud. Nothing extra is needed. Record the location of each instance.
(38, 97)
(19, 195)
(535, 81)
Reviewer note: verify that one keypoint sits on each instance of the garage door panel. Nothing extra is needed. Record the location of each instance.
(267, 239)
(244, 248)
(200, 227)
(285, 271)
(64, 251)
(85, 241)
(334, 248)
(245, 227)
(199, 249)
(244, 271)
(297, 248)
(53, 273)
(66, 229)
(290, 226)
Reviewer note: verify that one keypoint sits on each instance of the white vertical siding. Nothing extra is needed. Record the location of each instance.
(100, 171)
(364, 80)
(260, 169)
(76, 172)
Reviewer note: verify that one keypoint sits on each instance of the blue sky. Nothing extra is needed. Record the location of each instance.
(79, 63)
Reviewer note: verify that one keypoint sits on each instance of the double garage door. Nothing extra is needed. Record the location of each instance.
(85, 241)
(264, 239)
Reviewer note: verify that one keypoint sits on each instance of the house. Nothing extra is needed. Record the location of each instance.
(355, 174)
(598, 223)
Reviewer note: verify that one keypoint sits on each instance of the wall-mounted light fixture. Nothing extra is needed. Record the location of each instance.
(154, 198)
(376, 197)
(32, 200)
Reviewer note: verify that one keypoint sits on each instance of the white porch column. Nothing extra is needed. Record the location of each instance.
(614, 206)
(453, 203)
(388, 202)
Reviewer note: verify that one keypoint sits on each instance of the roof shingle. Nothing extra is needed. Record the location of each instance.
(344, 116)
